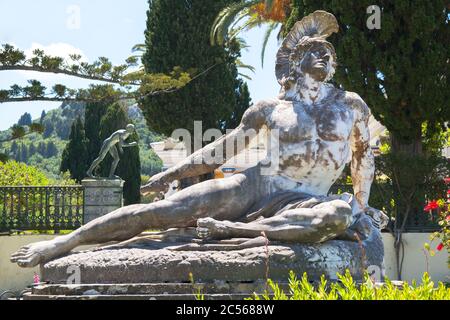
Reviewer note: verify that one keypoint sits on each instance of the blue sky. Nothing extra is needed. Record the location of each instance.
(107, 28)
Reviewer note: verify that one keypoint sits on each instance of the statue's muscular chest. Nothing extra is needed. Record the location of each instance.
(297, 123)
(313, 142)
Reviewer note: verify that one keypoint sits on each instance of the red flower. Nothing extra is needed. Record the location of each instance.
(448, 218)
(433, 205)
(440, 247)
(36, 279)
(447, 180)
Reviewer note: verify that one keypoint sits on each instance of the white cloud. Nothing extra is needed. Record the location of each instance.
(59, 49)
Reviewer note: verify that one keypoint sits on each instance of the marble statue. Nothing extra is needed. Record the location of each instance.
(113, 145)
(321, 129)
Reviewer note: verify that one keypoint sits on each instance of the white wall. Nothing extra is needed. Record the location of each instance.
(12, 277)
(415, 264)
(415, 260)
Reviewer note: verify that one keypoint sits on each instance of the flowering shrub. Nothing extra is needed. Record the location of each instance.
(348, 289)
(442, 236)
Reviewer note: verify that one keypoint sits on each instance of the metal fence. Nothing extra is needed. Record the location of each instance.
(41, 208)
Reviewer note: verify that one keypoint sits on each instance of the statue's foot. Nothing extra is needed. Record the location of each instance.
(36, 253)
(209, 228)
(90, 175)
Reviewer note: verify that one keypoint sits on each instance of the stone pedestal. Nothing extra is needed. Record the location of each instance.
(101, 196)
(149, 261)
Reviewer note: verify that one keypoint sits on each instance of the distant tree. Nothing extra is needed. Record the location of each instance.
(41, 149)
(25, 120)
(18, 155)
(31, 150)
(75, 156)
(129, 168)
(13, 173)
(52, 150)
(23, 153)
(62, 128)
(49, 128)
(43, 114)
(14, 147)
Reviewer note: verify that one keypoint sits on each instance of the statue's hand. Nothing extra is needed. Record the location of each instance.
(156, 183)
(379, 219)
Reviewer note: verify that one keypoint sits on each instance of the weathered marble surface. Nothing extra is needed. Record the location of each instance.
(155, 262)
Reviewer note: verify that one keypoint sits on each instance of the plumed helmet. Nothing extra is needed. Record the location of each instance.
(313, 28)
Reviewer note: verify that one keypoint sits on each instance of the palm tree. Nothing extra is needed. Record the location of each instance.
(248, 14)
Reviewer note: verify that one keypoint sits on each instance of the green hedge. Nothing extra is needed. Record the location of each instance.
(347, 289)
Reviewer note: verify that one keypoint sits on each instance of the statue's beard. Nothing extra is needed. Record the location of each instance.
(319, 74)
(298, 89)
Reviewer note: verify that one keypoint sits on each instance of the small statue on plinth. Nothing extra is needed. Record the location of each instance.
(113, 145)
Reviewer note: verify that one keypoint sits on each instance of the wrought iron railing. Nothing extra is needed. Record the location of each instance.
(41, 208)
(417, 220)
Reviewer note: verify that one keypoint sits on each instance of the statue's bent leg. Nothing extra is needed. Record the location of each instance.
(96, 162)
(305, 225)
(116, 159)
(222, 199)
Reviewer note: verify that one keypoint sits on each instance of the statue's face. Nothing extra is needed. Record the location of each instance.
(317, 62)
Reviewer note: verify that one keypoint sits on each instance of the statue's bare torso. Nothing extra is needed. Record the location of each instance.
(314, 140)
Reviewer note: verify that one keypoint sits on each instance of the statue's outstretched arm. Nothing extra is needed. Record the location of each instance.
(213, 155)
(362, 164)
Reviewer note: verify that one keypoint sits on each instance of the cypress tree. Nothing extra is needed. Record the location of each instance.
(31, 150)
(75, 156)
(178, 34)
(14, 148)
(25, 119)
(43, 114)
(48, 130)
(129, 168)
(51, 150)
(41, 149)
(23, 153)
(93, 115)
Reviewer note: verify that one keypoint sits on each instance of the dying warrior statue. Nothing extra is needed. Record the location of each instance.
(320, 128)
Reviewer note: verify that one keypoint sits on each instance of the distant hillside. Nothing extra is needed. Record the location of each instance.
(44, 151)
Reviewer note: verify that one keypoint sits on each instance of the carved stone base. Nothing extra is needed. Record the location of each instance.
(156, 262)
(101, 196)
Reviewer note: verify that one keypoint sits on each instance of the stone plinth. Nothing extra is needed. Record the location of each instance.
(101, 196)
(156, 262)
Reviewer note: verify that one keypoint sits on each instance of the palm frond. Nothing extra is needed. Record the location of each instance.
(242, 43)
(225, 19)
(243, 75)
(242, 65)
(272, 26)
(138, 47)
